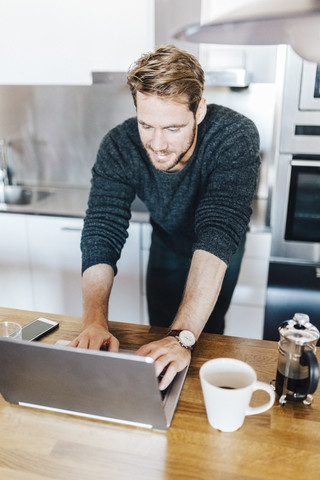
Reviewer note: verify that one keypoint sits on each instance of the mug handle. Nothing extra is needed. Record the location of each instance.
(262, 408)
(308, 359)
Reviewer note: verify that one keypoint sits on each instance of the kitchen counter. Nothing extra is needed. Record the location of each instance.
(67, 202)
(72, 202)
(280, 443)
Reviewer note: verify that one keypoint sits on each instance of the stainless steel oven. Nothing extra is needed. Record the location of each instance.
(294, 268)
(295, 214)
(296, 220)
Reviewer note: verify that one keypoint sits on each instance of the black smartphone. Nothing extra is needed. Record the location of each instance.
(38, 328)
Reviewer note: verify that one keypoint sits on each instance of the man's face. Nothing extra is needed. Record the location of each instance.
(168, 131)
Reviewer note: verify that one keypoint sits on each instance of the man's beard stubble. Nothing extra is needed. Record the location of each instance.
(179, 158)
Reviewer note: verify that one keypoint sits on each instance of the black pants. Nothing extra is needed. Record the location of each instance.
(166, 278)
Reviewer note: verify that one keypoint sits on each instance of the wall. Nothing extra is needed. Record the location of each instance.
(63, 41)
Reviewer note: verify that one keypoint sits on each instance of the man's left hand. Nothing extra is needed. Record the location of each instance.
(166, 352)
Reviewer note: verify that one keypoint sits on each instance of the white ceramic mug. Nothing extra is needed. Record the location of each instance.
(228, 385)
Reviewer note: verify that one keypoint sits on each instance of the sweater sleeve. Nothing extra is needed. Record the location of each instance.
(224, 209)
(108, 214)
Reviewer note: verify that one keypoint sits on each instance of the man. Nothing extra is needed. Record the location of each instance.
(195, 168)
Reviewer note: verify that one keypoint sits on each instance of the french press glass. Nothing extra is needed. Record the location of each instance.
(298, 371)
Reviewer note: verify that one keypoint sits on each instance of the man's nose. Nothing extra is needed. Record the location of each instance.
(158, 141)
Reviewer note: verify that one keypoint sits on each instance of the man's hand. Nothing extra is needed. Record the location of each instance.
(96, 336)
(166, 352)
(202, 289)
(96, 286)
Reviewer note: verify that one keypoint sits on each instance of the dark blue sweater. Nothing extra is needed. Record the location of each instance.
(206, 205)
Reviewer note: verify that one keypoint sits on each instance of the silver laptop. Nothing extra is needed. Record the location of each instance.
(118, 387)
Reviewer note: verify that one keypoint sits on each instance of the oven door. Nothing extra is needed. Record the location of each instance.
(296, 225)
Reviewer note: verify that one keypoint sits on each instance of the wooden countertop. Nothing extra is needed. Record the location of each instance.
(280, 443)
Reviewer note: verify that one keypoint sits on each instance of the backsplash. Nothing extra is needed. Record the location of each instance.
(53, 132)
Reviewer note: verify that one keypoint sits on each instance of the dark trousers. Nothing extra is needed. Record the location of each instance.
(166, 278)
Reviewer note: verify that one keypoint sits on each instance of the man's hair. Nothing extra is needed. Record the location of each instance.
(168, 72)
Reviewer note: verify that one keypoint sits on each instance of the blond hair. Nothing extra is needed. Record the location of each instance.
(168, 72)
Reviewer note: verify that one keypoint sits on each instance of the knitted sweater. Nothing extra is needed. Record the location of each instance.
(206, 205)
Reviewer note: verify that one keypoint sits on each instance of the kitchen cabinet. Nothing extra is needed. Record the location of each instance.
(56, 269)
(55, 262)
(125, 299)
(62, 42)
(40, 268)
(15, 273)
(146, 231)
(245, 317)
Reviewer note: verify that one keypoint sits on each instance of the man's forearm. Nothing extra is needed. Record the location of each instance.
(201, 292)
(96, 288)
(202, 289)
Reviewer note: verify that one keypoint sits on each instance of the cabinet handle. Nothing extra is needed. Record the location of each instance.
(71, 229)
(305, 163)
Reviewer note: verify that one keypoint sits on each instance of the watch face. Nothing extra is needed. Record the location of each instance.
(187, 338)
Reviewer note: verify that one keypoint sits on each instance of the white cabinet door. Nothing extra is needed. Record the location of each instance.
(245, 316)
(56, 269)
(62, 42)
(56, 263)
(15, 275)
(125, 299)
(146, 231)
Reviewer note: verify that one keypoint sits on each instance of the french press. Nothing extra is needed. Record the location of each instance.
(298, 371)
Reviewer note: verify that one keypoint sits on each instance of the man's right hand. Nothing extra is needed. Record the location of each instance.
(96, 286)
(96, 336)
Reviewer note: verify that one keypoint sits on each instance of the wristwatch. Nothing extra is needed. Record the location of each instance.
(184, 337)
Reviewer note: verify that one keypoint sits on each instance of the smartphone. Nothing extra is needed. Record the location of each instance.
(38, 328)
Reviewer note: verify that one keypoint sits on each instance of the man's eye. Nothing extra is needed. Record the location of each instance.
(145, 127)
(174, 129)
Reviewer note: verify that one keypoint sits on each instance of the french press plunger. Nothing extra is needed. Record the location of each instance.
(298, 371)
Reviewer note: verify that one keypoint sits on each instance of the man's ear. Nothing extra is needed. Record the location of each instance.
(201, 110)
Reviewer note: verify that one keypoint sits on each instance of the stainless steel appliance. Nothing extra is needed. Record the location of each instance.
(294, 278)
(296, 200)
(263, 22)
(296, 227)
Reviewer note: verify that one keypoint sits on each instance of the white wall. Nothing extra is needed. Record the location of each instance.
(62, 41)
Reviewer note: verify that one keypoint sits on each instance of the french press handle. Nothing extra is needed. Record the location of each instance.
(308, 359)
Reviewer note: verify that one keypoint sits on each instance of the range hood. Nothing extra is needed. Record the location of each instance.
(227, 77)
(265, 22)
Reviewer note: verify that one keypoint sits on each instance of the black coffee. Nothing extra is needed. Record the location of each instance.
(295, 385)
